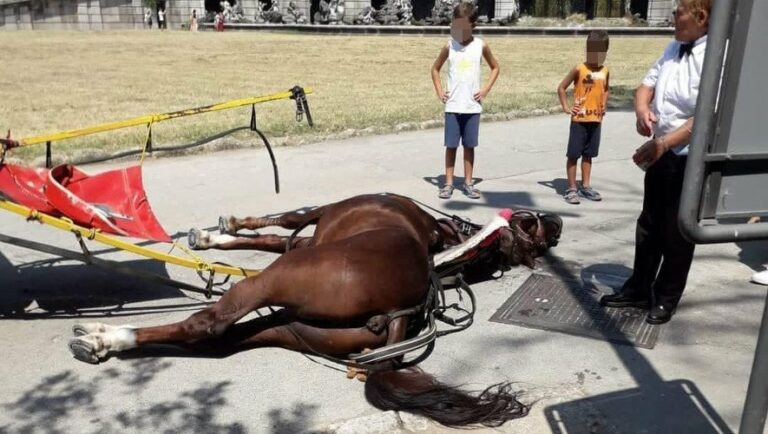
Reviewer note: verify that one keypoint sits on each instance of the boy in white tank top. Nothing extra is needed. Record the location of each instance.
(464, 95)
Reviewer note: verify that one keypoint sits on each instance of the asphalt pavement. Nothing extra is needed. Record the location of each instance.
(694, 380)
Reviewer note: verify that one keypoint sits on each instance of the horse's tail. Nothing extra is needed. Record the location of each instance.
(414, 391)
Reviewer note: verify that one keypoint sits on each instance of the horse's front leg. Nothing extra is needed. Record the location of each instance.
(202, 240)
(290, 220)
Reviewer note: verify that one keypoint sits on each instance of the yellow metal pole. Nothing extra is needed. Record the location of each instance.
(96, 235)
(109, 240)
(149, 119)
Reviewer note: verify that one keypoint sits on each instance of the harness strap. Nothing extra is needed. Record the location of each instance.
(289, 241)
(453, 217)
(378, 323)
(432, 310)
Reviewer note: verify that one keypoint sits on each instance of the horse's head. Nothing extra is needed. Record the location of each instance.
(522, 238)
(528, 236)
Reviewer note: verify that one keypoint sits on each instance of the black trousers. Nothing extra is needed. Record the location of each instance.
(662, 256)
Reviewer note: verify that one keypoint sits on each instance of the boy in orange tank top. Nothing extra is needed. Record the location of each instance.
(590, 97)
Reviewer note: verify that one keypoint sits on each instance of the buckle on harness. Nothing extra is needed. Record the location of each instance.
(465, 225)
(377, 324)
(301, 99)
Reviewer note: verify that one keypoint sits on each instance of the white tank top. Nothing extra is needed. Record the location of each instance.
(464, 76)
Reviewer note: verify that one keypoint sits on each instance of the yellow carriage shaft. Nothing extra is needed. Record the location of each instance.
(154, 118)
(96, 235)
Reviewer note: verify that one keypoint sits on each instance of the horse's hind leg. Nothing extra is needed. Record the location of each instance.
(282, 331)
(276, 330)
(290, 220)
(202, 240)
(95, 342)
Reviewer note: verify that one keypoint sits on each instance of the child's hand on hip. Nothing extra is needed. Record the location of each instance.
(575, 110)
(444, 96)
(480, 94)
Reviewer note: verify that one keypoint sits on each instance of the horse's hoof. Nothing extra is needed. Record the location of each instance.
(226, 226)
(197, 239)
(83, 350)
(90, 327)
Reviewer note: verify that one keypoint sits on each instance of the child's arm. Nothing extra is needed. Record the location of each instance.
(494, 65)
(605, 94)
(567, 81)
(441, 58)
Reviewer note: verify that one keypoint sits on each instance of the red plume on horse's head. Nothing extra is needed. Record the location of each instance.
(506, 214)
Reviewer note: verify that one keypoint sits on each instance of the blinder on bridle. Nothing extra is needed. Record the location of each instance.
(529, 236)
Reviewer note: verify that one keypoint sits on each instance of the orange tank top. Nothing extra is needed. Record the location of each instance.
(589, 89)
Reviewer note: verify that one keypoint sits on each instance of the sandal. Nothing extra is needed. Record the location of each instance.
(590, 193)
(446, 192)
(471, 191)
(572, 196)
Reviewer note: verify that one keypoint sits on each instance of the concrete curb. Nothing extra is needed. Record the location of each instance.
(443, 30)
(388, 422)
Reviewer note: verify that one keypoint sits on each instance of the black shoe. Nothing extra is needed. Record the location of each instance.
(624, 300)
(659, 315)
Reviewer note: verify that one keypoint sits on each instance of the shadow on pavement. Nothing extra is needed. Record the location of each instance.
(54, 288)
(560, 185)
(656, 406)
(670, 407)
(298, 419)
(753, 254)
(439, 180)
(65, 402)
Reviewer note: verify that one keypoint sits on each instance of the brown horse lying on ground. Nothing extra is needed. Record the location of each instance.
(369, 255)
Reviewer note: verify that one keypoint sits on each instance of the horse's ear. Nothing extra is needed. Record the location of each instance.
(506, 248)
(553, 227)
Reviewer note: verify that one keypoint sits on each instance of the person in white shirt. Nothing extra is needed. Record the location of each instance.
(665, 103)
(761, 277)
(464, 96)
(148, 18)
(161, 19)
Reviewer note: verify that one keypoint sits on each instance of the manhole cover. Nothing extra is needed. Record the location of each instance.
(548, 303)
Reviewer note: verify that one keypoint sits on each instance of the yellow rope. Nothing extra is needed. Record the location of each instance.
(202, 265)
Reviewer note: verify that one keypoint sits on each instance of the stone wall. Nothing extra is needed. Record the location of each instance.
(71, 14)
(129, 14)
(660, 12)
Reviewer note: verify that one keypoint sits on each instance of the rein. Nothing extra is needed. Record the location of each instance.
(289, 241)
(465, 223)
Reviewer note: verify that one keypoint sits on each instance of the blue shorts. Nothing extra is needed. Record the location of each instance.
(584, 140)
(461, 126)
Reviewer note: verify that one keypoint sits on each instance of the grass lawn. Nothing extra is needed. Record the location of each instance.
(54, 81)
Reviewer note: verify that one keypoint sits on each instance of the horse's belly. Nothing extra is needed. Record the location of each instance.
(368, 274)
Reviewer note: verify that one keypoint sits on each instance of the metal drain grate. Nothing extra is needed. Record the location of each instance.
(549, 303)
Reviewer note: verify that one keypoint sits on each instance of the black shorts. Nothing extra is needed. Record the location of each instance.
(584, 140)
